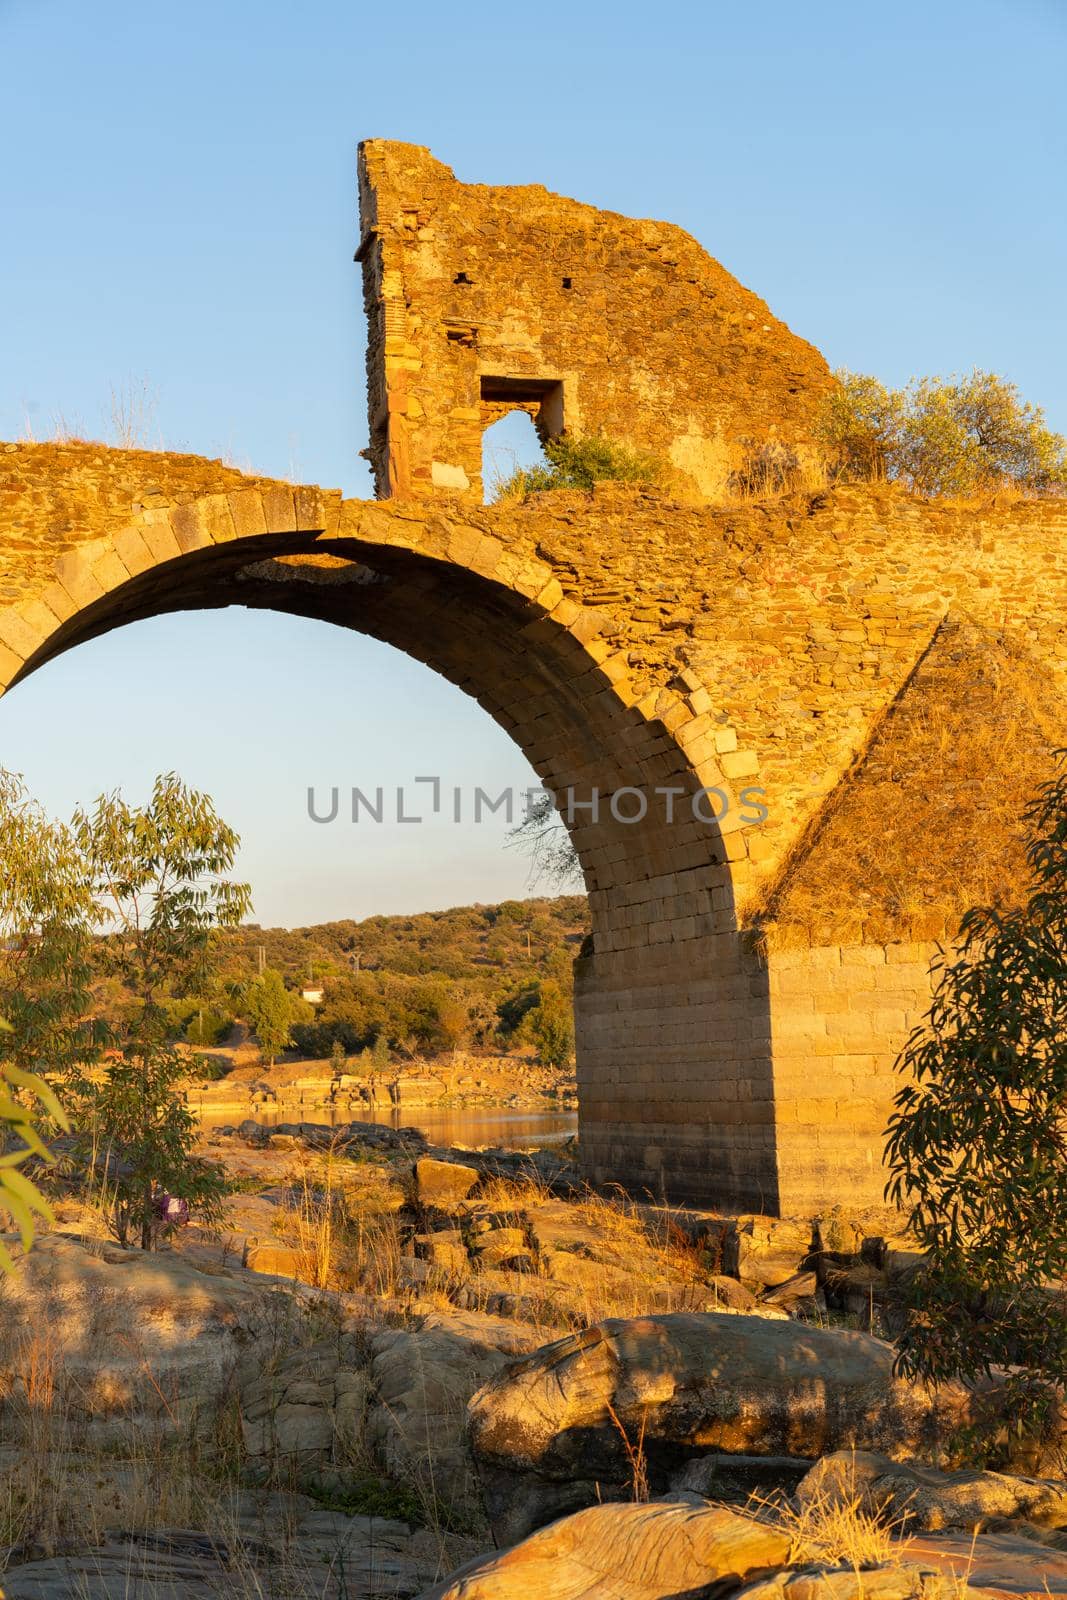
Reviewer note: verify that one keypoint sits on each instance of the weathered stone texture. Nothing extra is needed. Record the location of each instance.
(485, 300)
(628, 642)
(846, 668)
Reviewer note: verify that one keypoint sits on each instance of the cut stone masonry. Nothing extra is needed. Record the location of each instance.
(745, 993)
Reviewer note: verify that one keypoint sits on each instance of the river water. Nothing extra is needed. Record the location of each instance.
(510, 1128)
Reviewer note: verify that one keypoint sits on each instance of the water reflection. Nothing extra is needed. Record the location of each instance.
(480, 1125)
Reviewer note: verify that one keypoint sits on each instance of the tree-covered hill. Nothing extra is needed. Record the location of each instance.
(516, 941)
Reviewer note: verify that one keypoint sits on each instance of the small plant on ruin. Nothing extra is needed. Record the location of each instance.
(961, 436)
(977, 1149)
(581, 464)
(159, 876)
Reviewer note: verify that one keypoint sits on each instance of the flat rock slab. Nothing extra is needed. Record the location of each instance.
(1000, 1563)
(325, 1554)
(930, 1499)
(624, 1552)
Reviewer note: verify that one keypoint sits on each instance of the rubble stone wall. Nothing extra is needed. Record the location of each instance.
(485, 300)
(623, 640)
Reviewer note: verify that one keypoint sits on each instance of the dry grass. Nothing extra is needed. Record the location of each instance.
(892, 853)
(641, 1261)
(771, 474)
(346, 1237)
(130, 421)
(833, 1529)
(636, 1460)
(59, 1491)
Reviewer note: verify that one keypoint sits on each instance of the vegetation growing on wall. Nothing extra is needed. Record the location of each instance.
(581, 464)
(959, 436)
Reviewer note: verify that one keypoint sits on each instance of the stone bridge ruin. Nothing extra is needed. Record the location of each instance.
(888, 672)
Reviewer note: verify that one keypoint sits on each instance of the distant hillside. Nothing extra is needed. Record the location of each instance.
(515, 941)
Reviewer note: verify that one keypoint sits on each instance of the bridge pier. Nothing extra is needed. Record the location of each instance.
(713, 1074)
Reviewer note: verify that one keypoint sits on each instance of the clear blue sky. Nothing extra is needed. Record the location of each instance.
(179, 215)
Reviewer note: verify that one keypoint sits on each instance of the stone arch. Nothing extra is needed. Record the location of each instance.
(651, 990)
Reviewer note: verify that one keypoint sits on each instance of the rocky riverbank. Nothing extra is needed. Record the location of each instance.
(243, 1086)
(392, 1358)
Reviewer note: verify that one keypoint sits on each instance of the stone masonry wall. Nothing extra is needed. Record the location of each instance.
(840, 1015)
(622, 639)
(484, 300)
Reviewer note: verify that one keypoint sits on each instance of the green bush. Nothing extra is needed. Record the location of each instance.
(207, 1027)
(210, 1069)
(977, 1150)
(579, 464)
(941, 436)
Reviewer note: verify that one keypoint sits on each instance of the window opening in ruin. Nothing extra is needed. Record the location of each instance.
(568, 283)
(461, 277)
(509, 446)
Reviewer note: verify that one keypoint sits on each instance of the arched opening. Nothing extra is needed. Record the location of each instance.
(509, 447)
(260, 707)
(670, 1014)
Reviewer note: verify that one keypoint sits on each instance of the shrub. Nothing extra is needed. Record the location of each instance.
(158, 873)
(551, 1022)
(207, 1027)
(768, 469)
(580, 464)
(941, 436)
(859, 428)
(977, 1149)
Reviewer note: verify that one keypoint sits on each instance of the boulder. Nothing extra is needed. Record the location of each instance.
(276, 1260)
(556, 1225)
(685, 1384)
(922, 1496)
(902, 1580)
(856, 1289)
(625, 1552)
(765, 1251)
(730, 1293)
(503, 1247)
(423, 1379)
(795, 1294)
(264, 1544)
(131, 1337)
(444, 1250)
(1001, 1563)
(441, 1184)
(305, 1417)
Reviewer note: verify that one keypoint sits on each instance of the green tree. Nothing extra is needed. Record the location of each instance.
(941, 436)
(375, 1063)
(977, 1149)
(46, 913)
(965, 436)
(338, 1059)
(159, 874)
(552, 1024)
(860, 427)
(269, 1012)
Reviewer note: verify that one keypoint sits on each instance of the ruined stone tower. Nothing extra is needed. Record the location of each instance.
(486, 300)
